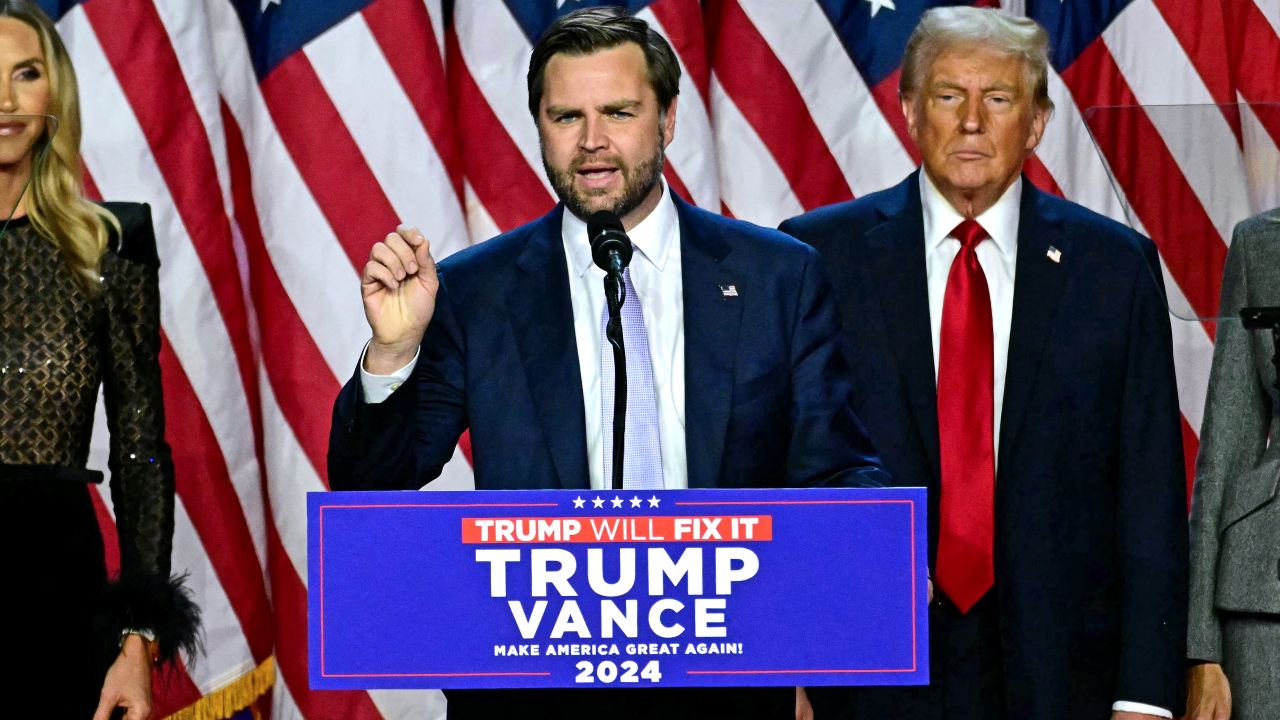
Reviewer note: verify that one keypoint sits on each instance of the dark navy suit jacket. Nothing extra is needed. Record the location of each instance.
(1090, 504)
(767, 403)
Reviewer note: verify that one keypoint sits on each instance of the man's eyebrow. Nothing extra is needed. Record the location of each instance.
(998, 85)
(619, 105)
(1002, 86)
(609, 107)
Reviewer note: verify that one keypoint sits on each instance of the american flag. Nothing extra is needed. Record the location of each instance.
(276, 140)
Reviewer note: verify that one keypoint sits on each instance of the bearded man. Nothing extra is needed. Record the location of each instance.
(736, 379)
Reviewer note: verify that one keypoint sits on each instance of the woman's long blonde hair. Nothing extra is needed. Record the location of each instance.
(56, 205)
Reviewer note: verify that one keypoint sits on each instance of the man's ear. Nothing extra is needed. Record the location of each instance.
(668, 122)
(1039, 121)
(911, 111)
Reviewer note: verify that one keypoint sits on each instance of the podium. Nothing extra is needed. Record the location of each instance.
(576, 588)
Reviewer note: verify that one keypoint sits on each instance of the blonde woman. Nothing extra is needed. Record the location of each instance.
(79, 309)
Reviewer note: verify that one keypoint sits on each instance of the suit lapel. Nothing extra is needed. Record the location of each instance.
(897, 259)
(711, 323)
(542, 322)
(1037, 286)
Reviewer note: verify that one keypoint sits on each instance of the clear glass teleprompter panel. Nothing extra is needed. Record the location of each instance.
(1185, 175)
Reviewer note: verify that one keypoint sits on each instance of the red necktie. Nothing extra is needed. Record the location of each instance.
(966, 414)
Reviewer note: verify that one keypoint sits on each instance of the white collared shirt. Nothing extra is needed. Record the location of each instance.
(998, 258)
(656, 274)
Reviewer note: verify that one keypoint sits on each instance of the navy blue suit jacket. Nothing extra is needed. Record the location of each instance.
(767, 403)
(767, 392)
(1090, 504)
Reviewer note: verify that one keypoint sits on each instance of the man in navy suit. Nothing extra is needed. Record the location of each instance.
(735, 374)
(1019, 347)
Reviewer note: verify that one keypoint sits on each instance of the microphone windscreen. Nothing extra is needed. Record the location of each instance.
(610, 246)
(602, 220)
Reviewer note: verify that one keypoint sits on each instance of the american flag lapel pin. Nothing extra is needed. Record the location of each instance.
(729, 290)
(1054, 254)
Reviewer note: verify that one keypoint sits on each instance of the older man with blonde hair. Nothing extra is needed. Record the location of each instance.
(1019, 347)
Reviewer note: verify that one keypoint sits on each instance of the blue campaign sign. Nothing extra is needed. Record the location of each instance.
(566, 588)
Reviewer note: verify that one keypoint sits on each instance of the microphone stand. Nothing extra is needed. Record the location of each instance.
(614, 293)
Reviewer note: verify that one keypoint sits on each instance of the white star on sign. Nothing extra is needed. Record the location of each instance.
(617, 501)
(597, 503)
(635, 501)
(578, 502)
(653, 501)
(876, 5)
(268, 3)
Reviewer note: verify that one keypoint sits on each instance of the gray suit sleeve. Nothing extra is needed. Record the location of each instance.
(1232, 439)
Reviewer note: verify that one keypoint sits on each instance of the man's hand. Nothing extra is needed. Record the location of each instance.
(399, 287)
(804, 711)
(128, 682)
(1208, 693)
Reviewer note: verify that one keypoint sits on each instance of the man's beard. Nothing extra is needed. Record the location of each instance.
(637, 183)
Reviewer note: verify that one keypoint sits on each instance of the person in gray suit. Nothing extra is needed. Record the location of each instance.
(1234, 624)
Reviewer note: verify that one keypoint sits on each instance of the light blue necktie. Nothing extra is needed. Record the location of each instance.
(642, 464)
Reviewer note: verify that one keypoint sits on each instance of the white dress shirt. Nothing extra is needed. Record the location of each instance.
(656, 274)
(998, 258)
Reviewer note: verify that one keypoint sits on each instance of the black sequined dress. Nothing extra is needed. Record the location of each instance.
(58, 344)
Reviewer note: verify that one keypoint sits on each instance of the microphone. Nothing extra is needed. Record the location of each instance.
(611, 250)
(610, 246)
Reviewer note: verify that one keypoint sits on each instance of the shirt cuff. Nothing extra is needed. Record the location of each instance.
(1152, 710)
(378, 388)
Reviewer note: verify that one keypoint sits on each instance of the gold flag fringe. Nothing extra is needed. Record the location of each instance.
(233, 698)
